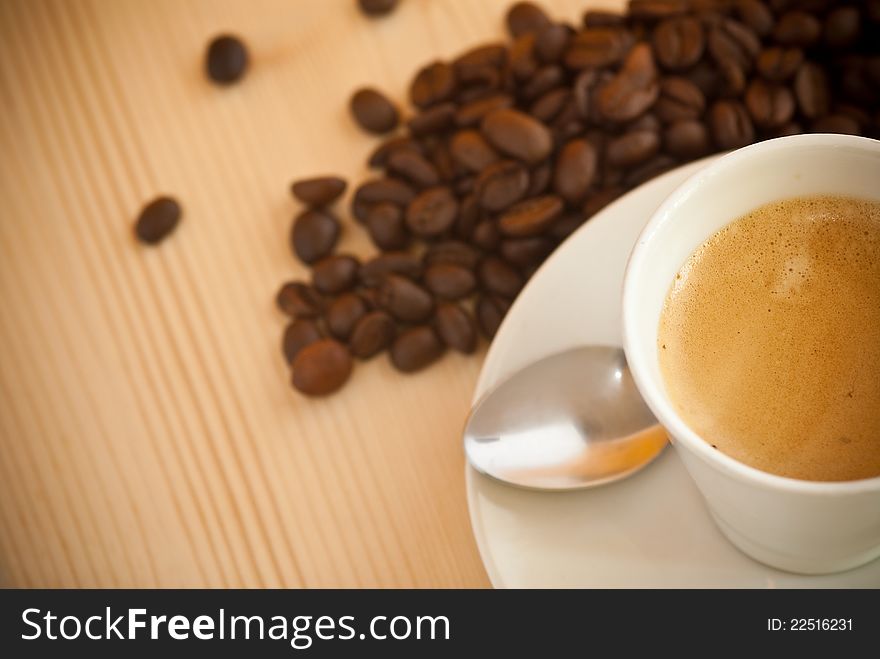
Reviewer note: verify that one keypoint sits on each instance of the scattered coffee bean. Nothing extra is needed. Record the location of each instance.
(374, 271)
(433, 84)
(450, 281)
(779, 64)
(530, 217)
(404, 299)
(491, 310)
(375, 8)
(771, 106)
(335, 274)
(414, 167)
(453, 252)
(575, 170)
(298, 335)
(415, 348)
(157, 220)
(523, 17)
(372, 334)
(299, 300)
(314, 235)
(344, 313)
(730, 125)
(518, 135)
(318, 191)
(524, 252)
(687, 139)
(797, 28)
(501, 184)
(811, 88)
(456, 328)
(678, 42)
(470, 150)
(432, 213)
(756, 15)
(321, 368)
(226, 60)
(498, 277)
(387, 227)
(373, 111)
(632, 148)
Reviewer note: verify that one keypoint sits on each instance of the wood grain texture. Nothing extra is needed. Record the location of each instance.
(148, 434)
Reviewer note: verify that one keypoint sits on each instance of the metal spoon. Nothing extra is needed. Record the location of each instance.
(568, 421)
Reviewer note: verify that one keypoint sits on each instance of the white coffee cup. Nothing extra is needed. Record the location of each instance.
(801, 526)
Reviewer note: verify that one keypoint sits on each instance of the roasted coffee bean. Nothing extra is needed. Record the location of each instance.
(379, 157)
(469, 213)
(226, 60)
(599, 200)
(525, 251)
(632, 91)
(525, 17)
(562, 228)
(501, 184)
(756, 15)
(678, 43)
(811, 89)
(582, 92)
(404, 299)
(377, 191)
(318, 191)
(373, 111)
(679, 100)
(730, 125)
(470, 150)
(632, 148)
(732, 41)
(540, 179)
(449, 281)
(530, 217)
(548, 106)
(456, 328)
(518, 135)
(472, 113)
(596, 48)
(314, 235)
(372, 334)
(522, 60)
(442, 159)
(551, 41)
(686, 139)
(298, 335)
(321, 368)
(771, 106)
(498, 277)
(413, 167)
(299, 300)
(603, 18)
(575, 170)
(453, 252)
(842, 27)
(432, 212)
(654, 167)
(432, 120)
(157, 220)
(546, 78)
(491, 310)
(344, 313)
(335, 274)
(797, 28)
(377, 7)
(374, 271)
(387, 227)
(415, 348)
(433, 84)
(732, 78)
(655, 10)
(493, 55)
(836, 123)
(486, 235)
(779, 64)
(705, 76)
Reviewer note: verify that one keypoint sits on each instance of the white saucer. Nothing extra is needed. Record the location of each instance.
(651, 530)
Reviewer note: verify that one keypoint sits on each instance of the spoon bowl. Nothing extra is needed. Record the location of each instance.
(569, 421)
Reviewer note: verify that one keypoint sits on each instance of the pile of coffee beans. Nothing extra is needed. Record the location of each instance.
(511, 146)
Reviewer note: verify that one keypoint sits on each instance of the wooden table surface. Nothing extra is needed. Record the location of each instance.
(148, 434)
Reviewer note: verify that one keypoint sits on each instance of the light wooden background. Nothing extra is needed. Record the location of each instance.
(148, 435)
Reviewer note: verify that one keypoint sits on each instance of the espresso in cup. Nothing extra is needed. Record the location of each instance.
(769, 339)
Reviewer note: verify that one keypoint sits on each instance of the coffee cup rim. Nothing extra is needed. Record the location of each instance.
(652, 391)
